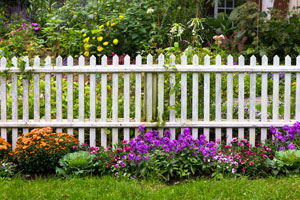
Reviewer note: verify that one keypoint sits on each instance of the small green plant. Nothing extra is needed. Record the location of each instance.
(287, 162)
(7, 170)
(77, 163)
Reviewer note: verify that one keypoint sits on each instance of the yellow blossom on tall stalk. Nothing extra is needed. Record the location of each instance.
(84, 35)
(113, 24)
(102, 26)
(86, 54)
(86, 40)
(86, 46)
(115, 41)
(107, 23)
(121, 17)
(100, 38)
(105, 43)
(99, 48)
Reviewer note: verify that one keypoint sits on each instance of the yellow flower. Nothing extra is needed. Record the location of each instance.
(121, 17)
(113, 24)
(115, 41)
(93, 38)
(102, 26)
(86, 47)
(86, 40)
(100, 38)
(99, 48)
(84, 35)
(105, 43)
(86, 54)
(107, 23)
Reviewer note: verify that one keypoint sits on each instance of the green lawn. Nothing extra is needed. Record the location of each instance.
(110, 188)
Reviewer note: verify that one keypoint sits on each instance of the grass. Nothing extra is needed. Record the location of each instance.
(110, 188)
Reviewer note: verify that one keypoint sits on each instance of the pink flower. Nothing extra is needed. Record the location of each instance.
(124, 141)
(37, 28)
(222, 37)
(119, 149)
(34, 24)
(268, 149)
(75, 147)
(251, 163)
(218, 141)
(227, 146)
(240, 143)
(12, 33)
(97, 148)
(93, 152)
(233, 139)
(1, 39)
(215, 37)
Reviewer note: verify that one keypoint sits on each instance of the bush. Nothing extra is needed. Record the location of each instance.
(286, 162)
(5, 148)
(77, 163)
(40, 150)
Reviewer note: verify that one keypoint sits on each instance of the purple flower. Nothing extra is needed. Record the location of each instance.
(291, 146)
(34, 24)
(281, 148)
(141, 129)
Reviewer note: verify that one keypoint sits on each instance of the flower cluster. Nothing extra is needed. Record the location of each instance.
(40, 149)
(242, 157)
(7, 170)
(101, 38)
(289, 139)
(151, 141)
(5, 148)
(219, 39)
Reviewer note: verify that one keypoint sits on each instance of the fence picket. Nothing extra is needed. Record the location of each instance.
(183, 92)
(298, 91)
(160, 93)
(3, 98)
(126, 98)
(252, 100)
(206, 96)
(275, 90)
(172, 96)
(14, 98)
(287, 91)
(138, 92)
(25, 84)
(59, 93)
(47, 92)
(70, 97)
(229, 99)
(241, 97)
(195, 97)
(81, 103)
(115, 86)
(36, 85)
(218, 98)
(92, 102)
(264, 99)
(149, 90)
(103, 101)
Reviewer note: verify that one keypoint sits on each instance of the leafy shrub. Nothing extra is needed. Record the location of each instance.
(288, 138)
(76, 163)
(7, 170)
(286, 162)
(5, 148)
(40, 150)
(240, 158)
(152, 156)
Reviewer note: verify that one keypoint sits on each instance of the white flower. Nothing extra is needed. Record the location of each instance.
(150, 11)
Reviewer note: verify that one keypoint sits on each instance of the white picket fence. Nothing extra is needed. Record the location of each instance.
(153, 77)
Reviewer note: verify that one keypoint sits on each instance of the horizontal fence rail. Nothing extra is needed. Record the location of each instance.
(104, 103)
